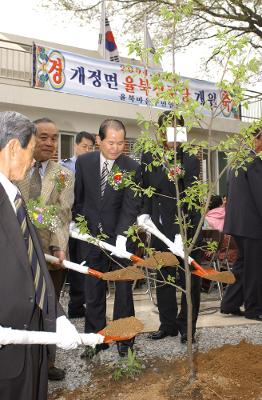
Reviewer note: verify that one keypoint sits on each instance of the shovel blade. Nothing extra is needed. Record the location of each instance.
(164, 258)
(131, 273)
(122, 329)
(213, 275)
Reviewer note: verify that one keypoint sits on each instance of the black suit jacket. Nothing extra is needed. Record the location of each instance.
(118, 209)
(162, 208)
(244, 202)
(17, 291)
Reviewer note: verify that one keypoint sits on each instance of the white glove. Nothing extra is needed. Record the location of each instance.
(92, 339)
(178, 246)
(69, 337)
(143, 219)
(121, 243)
(72, 226)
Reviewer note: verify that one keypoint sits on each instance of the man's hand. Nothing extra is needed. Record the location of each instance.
(60, 254)
(143, 219)
(69, 337)
(120, 247)
(121, 243)
(177, 247)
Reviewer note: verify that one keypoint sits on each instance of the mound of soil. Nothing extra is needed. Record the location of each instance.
(227, 373)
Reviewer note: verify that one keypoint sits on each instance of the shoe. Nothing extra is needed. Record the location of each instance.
(77, 314)
(237, 312)
(255, 317)
(161, 334)
(89, 352)
(123, 348)
(56, 374)
(183, 338)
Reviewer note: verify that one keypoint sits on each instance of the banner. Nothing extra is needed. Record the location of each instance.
(62, 71)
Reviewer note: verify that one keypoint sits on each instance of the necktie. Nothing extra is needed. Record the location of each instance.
(35, 182)
(39, 280)
(104, 176)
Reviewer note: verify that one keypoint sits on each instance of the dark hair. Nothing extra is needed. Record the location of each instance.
(168, 116)
(84, 135)
(14, 125)
(43, 120)
(215, 202)
(111, 123)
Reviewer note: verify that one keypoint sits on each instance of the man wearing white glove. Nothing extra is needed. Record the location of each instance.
(27, 296)
(162, 208)
(108, 208)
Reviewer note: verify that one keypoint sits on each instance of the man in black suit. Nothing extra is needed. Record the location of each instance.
(27, 297)
(244, 222)
(109, 211)
(162, 208)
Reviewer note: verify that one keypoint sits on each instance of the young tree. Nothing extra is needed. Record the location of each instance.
(236, 68)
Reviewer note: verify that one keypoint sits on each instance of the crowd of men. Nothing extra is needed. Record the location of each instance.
(30, 287)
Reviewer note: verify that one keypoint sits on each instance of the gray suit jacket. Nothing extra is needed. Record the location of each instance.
(50, 195)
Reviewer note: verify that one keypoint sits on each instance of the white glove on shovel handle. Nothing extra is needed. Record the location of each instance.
(177, 248)
(66, 331)
(15, 336)
(121, 243)
(114, 250)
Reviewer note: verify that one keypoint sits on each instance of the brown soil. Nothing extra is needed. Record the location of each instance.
(124, 327)
(159, 258)
(131, 273)
(227, 373)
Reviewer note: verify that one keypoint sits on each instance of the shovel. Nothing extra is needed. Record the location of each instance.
(122, 329)
(177, 248)
(165, 259)
(131, 273)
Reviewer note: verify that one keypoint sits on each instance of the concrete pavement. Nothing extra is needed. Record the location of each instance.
(209, 316)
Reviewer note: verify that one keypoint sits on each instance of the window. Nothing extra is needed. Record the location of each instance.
(66, 145)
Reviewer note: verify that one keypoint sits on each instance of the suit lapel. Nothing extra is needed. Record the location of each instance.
(24, 186)
(96, 178)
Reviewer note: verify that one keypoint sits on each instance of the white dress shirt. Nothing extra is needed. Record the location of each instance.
(10, 189)
(41, 170)
(102, 160)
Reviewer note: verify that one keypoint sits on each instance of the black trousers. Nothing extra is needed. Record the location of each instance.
(170, 320)
(95, 294)
(31, 384)
(247, 269)
(76, 281)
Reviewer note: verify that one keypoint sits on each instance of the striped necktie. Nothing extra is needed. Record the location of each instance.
(35, 182)
(104, 176)
(39, 280)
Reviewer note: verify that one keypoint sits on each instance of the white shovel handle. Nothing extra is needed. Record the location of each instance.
(100, 243)
(16, 336)
(68, 264)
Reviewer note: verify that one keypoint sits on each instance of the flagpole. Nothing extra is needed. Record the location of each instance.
(103, 12)
(145, 39)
